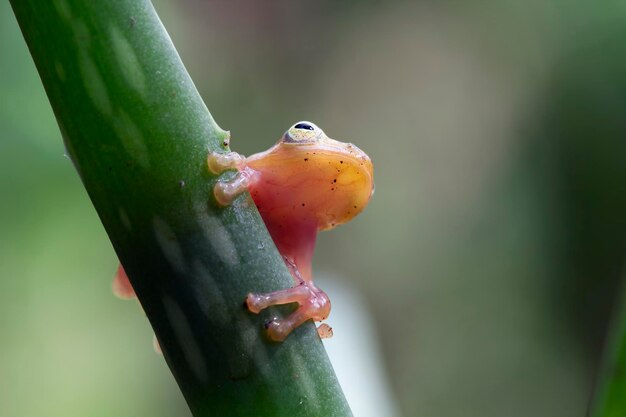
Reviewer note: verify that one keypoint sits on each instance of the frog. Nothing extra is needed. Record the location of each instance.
(304, 184)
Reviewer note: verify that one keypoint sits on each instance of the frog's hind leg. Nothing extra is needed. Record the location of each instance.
(314, 304)
(226, 191)
(123, 289)
(121, 285)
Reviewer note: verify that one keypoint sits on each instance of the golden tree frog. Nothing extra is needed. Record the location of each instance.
(305, 183)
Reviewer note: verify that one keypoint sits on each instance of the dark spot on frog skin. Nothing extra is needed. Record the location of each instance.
(133, 21)
(341, 162)
(181, 183)
(306, 159)
(302, 204)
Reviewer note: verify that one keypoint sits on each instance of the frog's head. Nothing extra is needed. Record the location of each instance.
(308, 175)
(338, 175)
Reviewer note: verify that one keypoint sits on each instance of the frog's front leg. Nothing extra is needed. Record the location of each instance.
(225, 191)
(314, 304)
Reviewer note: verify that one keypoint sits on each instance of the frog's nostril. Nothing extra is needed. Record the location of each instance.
(304, 126)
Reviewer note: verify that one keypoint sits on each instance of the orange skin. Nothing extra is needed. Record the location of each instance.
(304, 184)
(303, 188)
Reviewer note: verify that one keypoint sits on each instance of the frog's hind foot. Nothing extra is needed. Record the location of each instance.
(324, 331)
(314, 304)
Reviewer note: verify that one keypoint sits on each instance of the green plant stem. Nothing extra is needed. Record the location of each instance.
(610, 396)
(138, 134)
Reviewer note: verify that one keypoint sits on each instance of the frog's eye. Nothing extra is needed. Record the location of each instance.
(304, 126)
(302, 132)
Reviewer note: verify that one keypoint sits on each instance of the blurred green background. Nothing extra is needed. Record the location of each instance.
(488, 259)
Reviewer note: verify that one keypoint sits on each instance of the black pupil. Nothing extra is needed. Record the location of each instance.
(304, 126)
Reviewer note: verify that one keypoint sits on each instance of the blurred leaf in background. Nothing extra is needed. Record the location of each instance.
(488, 258)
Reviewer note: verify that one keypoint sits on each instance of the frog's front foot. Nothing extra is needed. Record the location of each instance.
(225, 191)
(314, 304)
